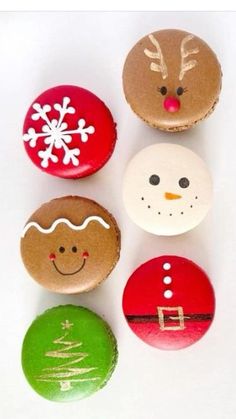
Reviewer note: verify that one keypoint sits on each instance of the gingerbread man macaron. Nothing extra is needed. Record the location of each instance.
(172, 79)
(70, 244)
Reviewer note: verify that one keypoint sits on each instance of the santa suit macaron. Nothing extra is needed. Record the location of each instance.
(169, 302)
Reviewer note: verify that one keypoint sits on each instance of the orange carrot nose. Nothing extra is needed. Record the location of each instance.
(169, 195)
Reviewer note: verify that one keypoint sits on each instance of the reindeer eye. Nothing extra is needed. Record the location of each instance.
(180, 91)
(163, 90)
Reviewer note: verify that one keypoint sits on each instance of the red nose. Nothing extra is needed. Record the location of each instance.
(52, 256)
(171, 104)
(85, 255)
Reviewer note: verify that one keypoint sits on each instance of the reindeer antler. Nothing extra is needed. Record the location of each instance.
(186, 66)
(161, 67)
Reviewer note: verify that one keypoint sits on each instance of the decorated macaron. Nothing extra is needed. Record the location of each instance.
(68, 353)
(70, 244)
(169, 302)
(167, 189)
(172, 79)
(69, 132)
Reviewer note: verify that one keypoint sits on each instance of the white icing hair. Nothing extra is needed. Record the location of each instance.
(67, 222)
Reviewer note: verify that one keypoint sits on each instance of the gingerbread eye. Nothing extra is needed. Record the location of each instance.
(154, 180)
(180, 91)
(74, 249)
(163, 90)
(184, 182)
(61, 249)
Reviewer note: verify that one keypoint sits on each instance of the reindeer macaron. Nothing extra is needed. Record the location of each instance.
(172, 79)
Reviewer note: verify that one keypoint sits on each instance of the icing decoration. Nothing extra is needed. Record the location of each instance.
(67, 222)
(161, 67)
(66, 373)
(171, 104)
(56, 133)
(69, 273)
(186, 66)
(170, 196)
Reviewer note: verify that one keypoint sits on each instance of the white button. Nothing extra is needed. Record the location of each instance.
(167, 280)
(168, 294)
(166, 266)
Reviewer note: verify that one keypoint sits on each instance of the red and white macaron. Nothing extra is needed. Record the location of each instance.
(169, 302)
(69, 132)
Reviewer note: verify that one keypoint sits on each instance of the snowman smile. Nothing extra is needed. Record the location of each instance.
(69, 273)
(169, 212)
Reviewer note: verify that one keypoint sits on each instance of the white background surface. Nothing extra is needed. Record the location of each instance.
(38, 51)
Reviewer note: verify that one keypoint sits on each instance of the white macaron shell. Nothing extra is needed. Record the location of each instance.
(167, 208)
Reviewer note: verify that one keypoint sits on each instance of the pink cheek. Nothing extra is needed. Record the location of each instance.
(52, 256)
(171, 104)
(85, 255)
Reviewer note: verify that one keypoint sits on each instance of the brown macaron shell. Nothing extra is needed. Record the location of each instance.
(172, 59)
(63, 258)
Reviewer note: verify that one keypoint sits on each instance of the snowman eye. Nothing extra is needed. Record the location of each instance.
(154, 180)
(184, 182)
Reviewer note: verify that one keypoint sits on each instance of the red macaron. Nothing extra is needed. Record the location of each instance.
(169, 302)
(69, 132)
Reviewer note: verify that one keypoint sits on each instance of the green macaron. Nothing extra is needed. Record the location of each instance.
(68, 353)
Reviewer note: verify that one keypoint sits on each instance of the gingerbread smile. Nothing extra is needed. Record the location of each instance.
(52, 257)
(69, 273)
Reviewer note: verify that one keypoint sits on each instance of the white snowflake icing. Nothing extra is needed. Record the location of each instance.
(56, 133)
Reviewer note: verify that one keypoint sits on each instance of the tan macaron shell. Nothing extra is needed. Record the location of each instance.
(70, 272)
(185, 61)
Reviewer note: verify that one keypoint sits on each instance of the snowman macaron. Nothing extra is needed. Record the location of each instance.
(167, 189)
